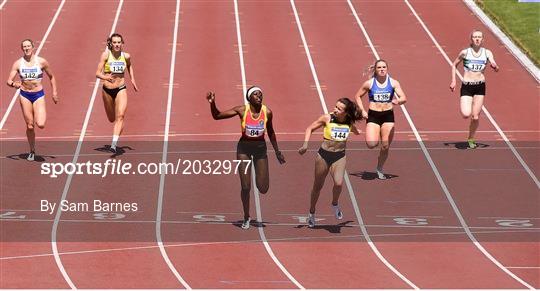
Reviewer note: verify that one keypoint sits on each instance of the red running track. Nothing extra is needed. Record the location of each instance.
(408, 217)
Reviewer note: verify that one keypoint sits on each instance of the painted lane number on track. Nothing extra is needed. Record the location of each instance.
(209, 218)
(411, 221)
(11, 215)
(304, 219)
(514, 222)
(108, 216)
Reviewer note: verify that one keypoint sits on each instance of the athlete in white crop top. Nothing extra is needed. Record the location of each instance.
(473, 87)
(30, 69)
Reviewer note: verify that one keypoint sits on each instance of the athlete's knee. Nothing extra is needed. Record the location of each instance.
(263, 189)
(30, 125)
(465, 115)
(338, 185)
(372, 144)
(119, 117)
(475, 117)
(41, 124)
(385, 147)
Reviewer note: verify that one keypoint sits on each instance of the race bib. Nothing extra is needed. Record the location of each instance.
(255, 131)
(339, 133)
(117, 67)
(381, 97)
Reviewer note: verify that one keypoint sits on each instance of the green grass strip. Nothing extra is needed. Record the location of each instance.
(519, 20)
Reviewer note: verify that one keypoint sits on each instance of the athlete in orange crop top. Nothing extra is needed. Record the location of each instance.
(256, 121)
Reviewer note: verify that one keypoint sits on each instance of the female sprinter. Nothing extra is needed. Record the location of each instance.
(111, 68)
(383, 93)
(30, 68)
(473, 86)
(331, 157)
(255, 120)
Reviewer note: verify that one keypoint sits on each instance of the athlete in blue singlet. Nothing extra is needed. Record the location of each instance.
(30, 69)
(383, 93)
(473, 86)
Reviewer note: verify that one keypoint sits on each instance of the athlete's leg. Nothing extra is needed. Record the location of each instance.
(321, 170)
(337, 171)
(372, 134)
(245, 182)
(40, 114)
(28, 114)
(120, 111)
(261, 174)
(387, 135)
(465, 105)
(477, 103)
(108, 102)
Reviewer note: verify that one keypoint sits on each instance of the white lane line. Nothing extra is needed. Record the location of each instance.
(253, 182)
(75, 157)
(432, 164)
(518, 54)
(347, 182)
(484, 109)
(41, 44)
(3, 4)
(454, 206)
(159, 211)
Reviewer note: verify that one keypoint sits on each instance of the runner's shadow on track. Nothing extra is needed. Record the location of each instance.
(331, 228)
(463, 145)
(23, 156)
(371, 175)
(119, 150)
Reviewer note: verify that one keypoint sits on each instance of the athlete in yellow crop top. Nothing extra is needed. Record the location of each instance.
(256, 121)
(111, 69)
(331, 156)
(30, 69)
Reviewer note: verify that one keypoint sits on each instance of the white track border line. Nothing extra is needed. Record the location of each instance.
(347, 181)
(41, 44)
(514, 50)
(484, 109)
(436, 171)
(3, 4)
(253, 182)
(165, 150)
(54, 230)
